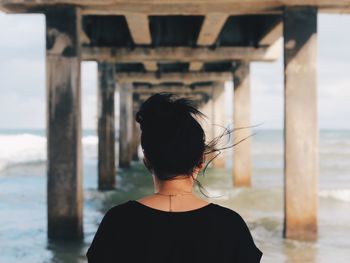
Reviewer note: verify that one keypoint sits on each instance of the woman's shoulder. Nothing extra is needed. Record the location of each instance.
(248, 251)
(227, 213)
(229, 218)
(119, 209)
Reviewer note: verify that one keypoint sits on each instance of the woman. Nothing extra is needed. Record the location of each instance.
(172, 225)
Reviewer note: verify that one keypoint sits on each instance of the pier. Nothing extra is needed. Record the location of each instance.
(190, 48)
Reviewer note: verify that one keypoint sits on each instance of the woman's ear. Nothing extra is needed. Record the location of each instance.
(201, 165)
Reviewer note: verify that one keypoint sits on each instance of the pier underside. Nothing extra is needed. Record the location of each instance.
(190, 48)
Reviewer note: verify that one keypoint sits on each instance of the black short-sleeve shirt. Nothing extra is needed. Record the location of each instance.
(133, 232)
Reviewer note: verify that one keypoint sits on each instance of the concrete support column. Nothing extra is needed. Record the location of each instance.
(106, 131)
(207, 109)
(136, 141)
(136, 133)
(125, 125)
(242, 156)
(64, 151)
(219, 119)
(207, 123)
(300, 123)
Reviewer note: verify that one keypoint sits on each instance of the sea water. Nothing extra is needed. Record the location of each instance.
(23, 222)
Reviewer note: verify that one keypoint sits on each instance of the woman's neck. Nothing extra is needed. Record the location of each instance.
(182, 183)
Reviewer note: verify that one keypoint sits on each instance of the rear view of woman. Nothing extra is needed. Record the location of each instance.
(173, 224)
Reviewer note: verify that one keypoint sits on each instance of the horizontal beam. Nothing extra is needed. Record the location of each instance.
(196, 66)
(139, 28)
(125, 7)
(211, 29)
(166, 2)
(186, 78)
(180, 9)
(180, 54)
(197, 98)
(150, 66)
(171, 89)
(184, 7)
(272, 35)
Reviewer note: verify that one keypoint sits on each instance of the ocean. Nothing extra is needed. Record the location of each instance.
(23, 198)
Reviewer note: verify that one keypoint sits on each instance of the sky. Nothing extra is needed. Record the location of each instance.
(22, 77)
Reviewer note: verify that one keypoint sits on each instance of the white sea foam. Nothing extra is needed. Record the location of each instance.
(338, 194)
(21, 148)
(28, 148)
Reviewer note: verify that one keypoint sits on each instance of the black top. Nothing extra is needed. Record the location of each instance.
(135, 233)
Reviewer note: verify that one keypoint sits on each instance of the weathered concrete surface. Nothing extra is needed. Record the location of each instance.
(106, 130)
(125, 124)
(180, 54)
(64, 160)
(185, 78)
(219, 121)
(300, 124)
(242, 156)
(136, 139)
(176, 7)
(207, 122)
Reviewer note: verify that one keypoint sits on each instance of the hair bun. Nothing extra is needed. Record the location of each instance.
(163, 110)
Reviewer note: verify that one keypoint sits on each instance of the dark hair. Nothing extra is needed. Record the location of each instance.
(172, 139)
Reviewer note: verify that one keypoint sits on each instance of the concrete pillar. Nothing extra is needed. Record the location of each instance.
(106, 131)
(207, 123)
(219, 120)
(136, 133)
(125, 125)
(300, 123)
(64, 151)
(207, 109)
(136, 141)
(242, 156)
